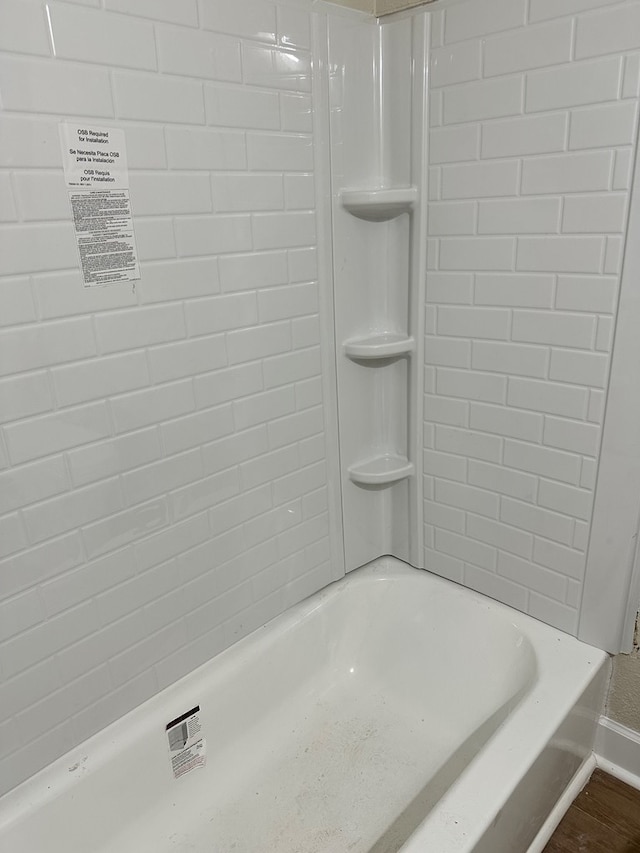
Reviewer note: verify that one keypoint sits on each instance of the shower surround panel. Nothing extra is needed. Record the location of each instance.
(532, 135)
(163, 473)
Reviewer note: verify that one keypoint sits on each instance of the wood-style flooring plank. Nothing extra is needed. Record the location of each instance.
(578, 832)
(612, 803)
(604, 818)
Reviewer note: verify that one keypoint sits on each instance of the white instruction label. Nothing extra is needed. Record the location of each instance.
(97, 178)
(187, 746)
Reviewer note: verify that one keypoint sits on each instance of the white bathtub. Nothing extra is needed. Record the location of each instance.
(394, 710)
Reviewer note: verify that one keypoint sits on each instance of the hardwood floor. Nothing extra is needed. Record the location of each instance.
(605, 818)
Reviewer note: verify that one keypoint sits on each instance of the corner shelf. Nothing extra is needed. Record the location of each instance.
(383, 345)
(381, 470)
(379, 205)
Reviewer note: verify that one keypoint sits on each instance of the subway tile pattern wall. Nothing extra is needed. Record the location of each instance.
(534, 110)
(163, 486)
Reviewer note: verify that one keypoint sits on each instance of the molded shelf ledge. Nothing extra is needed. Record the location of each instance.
(384, 345)
(381, 470)
(381, 204)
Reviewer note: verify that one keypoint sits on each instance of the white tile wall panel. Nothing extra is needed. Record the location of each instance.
(28, 141)
(299, 192)
(27, 394)
(104, 459)
(472, 253)
(35, 565)
(35, 248)
(519, 291)
(16, 302)
(511, 539)
(506, 421)
(542, 461)
(276, 68)
(540, 134)
(253, 19)
(27, 484)
(206, 235)
(164, 194)
(454, 144)
(503, 480)
(101, 377)
(522, 360)
(228, 106)
(449, 353)
(40, 436)
(631, 80)
(573, 85)
(193, 53)
(233, 193)
(543, 9)
(452, 218)
(172, 280)
(155, 239)
(560, 254)
(528, 47)
(464, 497)
(38, 86)
(486, 99)
(61, 294)
(547, 250)
(567, 173)
(622, 169)
(89, 35)
(572, 330)
(23, 28)
(613, 255)
(473, 180)
(597, 214)
(223, 385)
(566, 499)
(471, 20)
(550, 397)
(40, 196)
(148, 97)
(532, 577)
(8, 210)
(603, 126)
(125, 527)
(572, 435)
(609, 31)
(474, 322)
(524, 516)
(579, 368)
(450, 287)
(293, 27)
(253, 271)
(139, 327)
(521, 216)
(176, 11)
(295, 112)
(457, 63)
(471, 385)
(196, 429)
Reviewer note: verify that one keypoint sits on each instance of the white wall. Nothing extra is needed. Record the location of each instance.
(533, 128)
(163, 473)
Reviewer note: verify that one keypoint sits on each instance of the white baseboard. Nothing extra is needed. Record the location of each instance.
(617, 750)
(572, 790)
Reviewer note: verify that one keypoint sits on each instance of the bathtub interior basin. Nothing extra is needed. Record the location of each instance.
(361, 720)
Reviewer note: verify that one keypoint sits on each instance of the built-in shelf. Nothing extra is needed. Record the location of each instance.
(383, 345)
(379, 205)
(381, 470)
